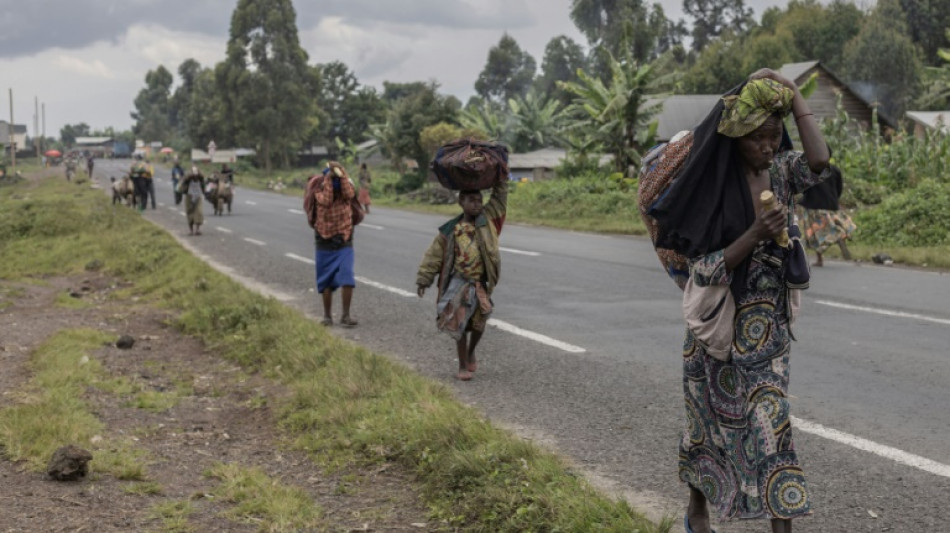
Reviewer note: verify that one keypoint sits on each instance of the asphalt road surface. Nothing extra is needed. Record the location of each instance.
(584, 354)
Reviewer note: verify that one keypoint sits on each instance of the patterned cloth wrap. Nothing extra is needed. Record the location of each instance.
(756, 102)
(658, 170)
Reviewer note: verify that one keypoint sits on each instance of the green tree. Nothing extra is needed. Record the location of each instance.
(537, 122)
(615, 115)
(881, 62)
(69, 132)
(927, 21)
(409, 115)
(204, 118)
(936, 93)
(152, 113)
(562, 59)
(622, 27)
(264, 79)
(821, 32)
(713, 17)
(488, 117)
(508, 72)
(717, 68)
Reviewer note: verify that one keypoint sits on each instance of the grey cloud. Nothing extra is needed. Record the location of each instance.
(30, 26)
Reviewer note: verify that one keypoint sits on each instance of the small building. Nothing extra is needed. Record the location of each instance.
(18, 137)
(924, 121)
(537, 165)
(96, 146)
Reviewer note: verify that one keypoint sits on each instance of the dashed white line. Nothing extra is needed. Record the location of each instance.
(255, 241)
(519, 252)
(248, 202)
(371, 226)
(537, 337)
(296, 211)
(223, 230)
(395, 290)
(301, 258)
(885, 312)
(898, 456)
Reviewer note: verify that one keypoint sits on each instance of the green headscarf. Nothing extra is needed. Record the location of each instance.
(757, 101)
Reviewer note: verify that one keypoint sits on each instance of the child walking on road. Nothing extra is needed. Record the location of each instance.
(466, 257)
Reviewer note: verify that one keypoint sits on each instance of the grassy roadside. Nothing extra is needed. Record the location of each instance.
(349, 406)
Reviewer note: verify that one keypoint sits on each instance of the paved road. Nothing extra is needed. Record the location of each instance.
(594, 367)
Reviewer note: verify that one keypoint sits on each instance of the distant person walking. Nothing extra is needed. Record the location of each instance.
(466, 257)
(737, 451)
(192, 187)
(90, 163)
(365, 180)
(141, 176)
(177, 174)
(824, 223)
(333, 233)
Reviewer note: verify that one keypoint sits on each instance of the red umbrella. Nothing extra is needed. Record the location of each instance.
(53, 153)
(167, 150)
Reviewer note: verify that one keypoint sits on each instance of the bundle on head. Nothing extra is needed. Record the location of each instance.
(337, 170)
(468, 164)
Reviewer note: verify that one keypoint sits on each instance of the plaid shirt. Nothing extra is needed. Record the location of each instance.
(334, 216)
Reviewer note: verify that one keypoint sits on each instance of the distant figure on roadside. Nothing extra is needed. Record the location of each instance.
(141, 175)
(824, 223)
(192, 187)
(177, 174)
(365, 180)
(333, 233)
(227, 172)
(70, 168)
(737, 452)
(90, 163)
(467, 260)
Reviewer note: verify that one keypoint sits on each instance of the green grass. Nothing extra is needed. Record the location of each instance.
(51, 411)
(144, 488)
(258, 498)
(350, 407)
(173, 516)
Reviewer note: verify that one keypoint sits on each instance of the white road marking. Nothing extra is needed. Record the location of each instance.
(519, 252)
(161, 204)
(395, 290)
(371, 226)
(296, 211)
(899, 456)
(223, 230)
(170, 208)
(537, 337)
(301, 259)
(255, 241)
(248, 202)
(885, 312)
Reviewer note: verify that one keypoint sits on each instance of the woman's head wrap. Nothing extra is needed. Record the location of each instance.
(759, 99)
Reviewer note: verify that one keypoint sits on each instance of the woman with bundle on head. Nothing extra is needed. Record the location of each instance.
(737, 451)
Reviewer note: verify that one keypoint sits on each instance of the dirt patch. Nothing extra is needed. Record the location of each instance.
(200, 410)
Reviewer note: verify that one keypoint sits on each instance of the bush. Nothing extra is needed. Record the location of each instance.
(915, 217)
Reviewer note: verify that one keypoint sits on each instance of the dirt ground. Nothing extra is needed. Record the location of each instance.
(225, 416)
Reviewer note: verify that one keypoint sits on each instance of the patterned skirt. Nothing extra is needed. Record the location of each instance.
(737, 447)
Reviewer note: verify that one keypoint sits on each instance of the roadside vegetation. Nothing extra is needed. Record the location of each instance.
(348, 406)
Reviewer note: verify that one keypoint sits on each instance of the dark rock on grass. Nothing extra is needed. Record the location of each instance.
(69, 463)
(94, 265)
(125, 342)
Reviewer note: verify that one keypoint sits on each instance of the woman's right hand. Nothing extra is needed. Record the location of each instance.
(769, 224)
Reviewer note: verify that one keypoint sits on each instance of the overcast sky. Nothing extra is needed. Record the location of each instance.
(87, 59)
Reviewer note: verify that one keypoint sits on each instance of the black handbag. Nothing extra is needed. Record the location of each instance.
(797, 273)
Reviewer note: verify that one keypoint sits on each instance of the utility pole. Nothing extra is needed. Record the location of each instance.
(12, 138)
(36, 125)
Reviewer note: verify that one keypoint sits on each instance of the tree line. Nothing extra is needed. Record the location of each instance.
(590, 98)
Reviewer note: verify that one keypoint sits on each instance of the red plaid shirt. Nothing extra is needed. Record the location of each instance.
(333, 215)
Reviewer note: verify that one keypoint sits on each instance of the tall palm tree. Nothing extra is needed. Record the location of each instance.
(537, 121)
(486, 117)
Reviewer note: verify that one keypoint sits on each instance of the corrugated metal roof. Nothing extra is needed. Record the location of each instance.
(931, 119)
(543, 158)
(681, 112)
(794, 71)
(92, 140)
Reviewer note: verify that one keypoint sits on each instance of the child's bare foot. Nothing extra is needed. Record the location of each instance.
(463, 375)
(472, 365)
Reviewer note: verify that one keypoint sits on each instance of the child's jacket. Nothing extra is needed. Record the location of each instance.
(440, 257)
